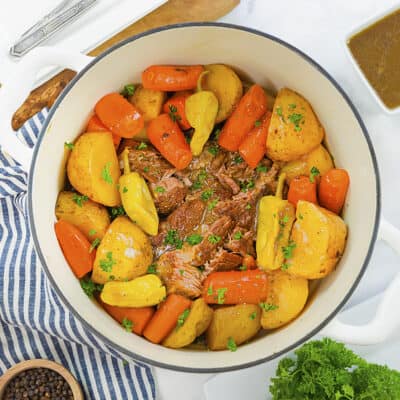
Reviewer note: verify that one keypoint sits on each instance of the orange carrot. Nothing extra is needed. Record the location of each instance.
(76, 248)
(236, 287)
(301, 188)
(168, 139)
(138, 316)
(166, 318)
(253, 147)
(333, 189)
(171, 78)
(119, 116)
(251, 107)
(175, 107)
(249, 262)
(95, 125)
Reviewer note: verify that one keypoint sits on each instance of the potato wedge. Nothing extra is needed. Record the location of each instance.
(319, 158)
(91, 218)
(320, 238)
(196, 323)
(227, 87)
(289, 293)
(149, 102)
(294, 129)
(93, 168)
(124, 253)
(240, 322)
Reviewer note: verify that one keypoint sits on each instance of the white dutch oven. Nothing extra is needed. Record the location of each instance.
(265, 60)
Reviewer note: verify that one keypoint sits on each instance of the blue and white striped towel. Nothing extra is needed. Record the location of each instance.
(33, 321)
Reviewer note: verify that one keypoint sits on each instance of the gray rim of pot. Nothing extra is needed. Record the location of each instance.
(138, 357)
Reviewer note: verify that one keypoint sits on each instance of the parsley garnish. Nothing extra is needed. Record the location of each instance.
(257, 123)
(201, 177)
(106, 174)
(79, 199)
(159, 189)
(94, 244)
(295, 119)
(253, 315)
(127, 324)
(268, 306)
(146, 169)
(288, 250)
(207, 194)
(237, 235)
(280, 113)
(117, 211)
(173, 113)
(210, 290)
(285, 266)
(128, 90)
(214, 239)
(284, 221)
(181, 272)
(89, 287)
(194, 239)
(221, 295)
(182, 318)
(213, 150)
(212, 204)
(231, 345)
(124, 189)
(172, 238)
(246, 186)
(92, 232)
(106, 265)
(238, 160)
(152, 269)
(248, 206)
(292, 106)
(301, 216)
(217, 132)
(68, 145)
(261, 168)
(242, 268)
(314, 171)
(141, 146)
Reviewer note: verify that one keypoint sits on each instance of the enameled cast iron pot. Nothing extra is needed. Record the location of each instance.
(264, 59)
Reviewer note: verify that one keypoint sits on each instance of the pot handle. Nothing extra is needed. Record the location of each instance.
(387, 318)
(16, 86)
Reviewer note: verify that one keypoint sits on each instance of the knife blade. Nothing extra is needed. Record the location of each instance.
(48, 29)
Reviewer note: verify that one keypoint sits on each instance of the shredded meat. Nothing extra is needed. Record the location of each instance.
(241, 241)
(223, 261)
(168, 193)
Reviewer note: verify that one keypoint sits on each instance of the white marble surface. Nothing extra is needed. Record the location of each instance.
(319, 29)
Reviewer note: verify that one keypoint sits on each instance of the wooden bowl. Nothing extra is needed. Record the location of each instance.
(39, 363)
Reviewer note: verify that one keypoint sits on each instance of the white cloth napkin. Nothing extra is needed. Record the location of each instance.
(318, 28)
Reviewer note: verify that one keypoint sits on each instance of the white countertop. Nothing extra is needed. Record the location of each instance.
(319, 29)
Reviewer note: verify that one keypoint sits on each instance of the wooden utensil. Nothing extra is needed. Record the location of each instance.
(172, 12)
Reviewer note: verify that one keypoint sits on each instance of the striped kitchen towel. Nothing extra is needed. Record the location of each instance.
(34, 323)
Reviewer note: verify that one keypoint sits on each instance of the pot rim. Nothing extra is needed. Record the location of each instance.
(300, 341)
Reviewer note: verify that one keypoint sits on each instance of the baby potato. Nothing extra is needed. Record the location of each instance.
(227, 87)
(93, 168)
(124, 253)
(196, 323)
(319, 237)
(240, 323)
(289, 294)
(91, 218)
(149, 103)
(294, 129)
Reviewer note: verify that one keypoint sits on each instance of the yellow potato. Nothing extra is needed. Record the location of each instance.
(91, 218)
(227, 87)
(240, 322)
(196, 323)
(149, 102)
(144, 291)
(320, 238)
(294, 129)
(319, 158)
(124, 253)
(289, 294)
(93, 168)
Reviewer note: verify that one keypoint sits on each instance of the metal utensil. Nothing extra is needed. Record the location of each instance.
(34, 37)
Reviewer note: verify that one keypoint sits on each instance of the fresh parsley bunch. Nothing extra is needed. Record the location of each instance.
(327, 370)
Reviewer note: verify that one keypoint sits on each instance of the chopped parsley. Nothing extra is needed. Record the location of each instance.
(89, 287)
(127, 324)
(284, 221)
(182, 318)
(214, 239)
(173, 113)
(172, 238)
(106, 174)
(207, 194)
(194, 239)
(94, 244)
(212, 204)
(117, 211)
(292, 106)
(107, 264)
(253, 315)
(301, 216)
(268, 306)
(78, 199)
(280, 112)
(159, 189)
(314, 171)
(217, 132)
(238, 160)
(242, 268)
(248, 206)
(296, 119)
(288, 250)
(152, 269)
(146, 169)
(231, 345)
(221, 295)
(92, 232)
(237, 235)
(141, 146)
(128, 90)
(181, 272)
(261, 168)
(124, 189)
(257, 123)
(68, 145)
(285, 266)
(210, 290)
(247, 185)
(201, 177)
(213, 150)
